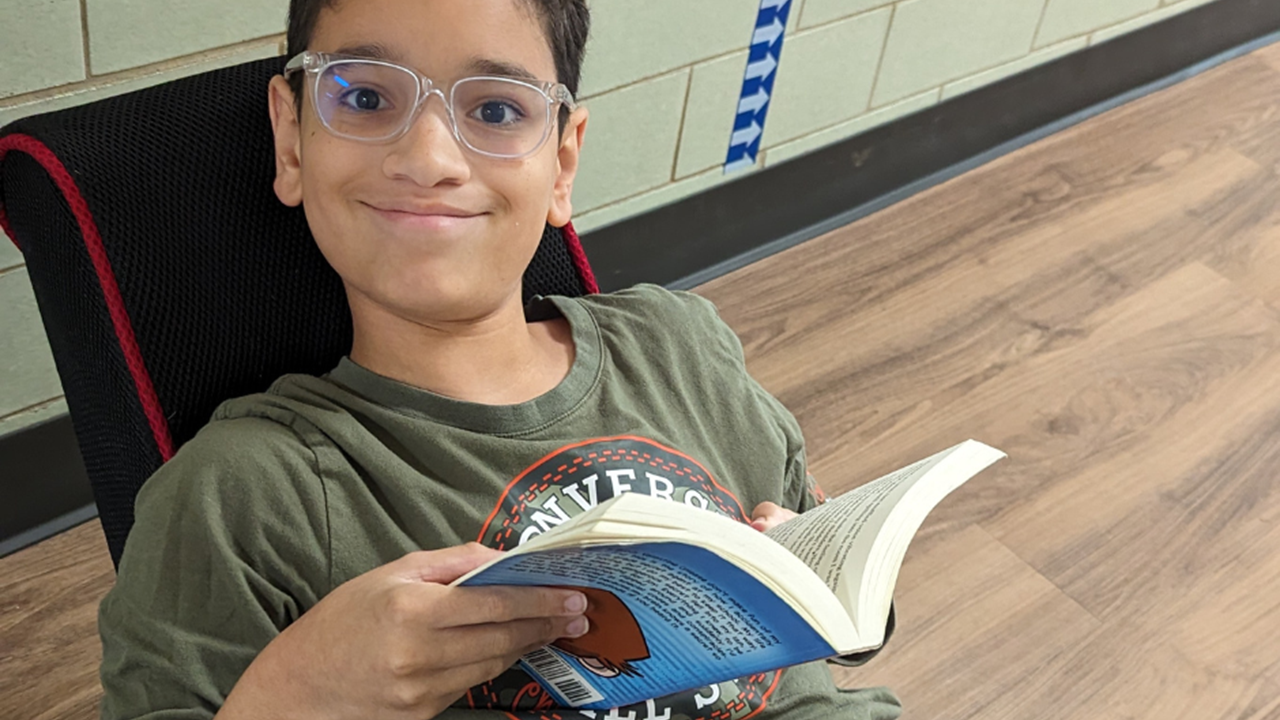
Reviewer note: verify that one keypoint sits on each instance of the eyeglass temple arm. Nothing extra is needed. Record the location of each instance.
(564, 96)
(296, 63)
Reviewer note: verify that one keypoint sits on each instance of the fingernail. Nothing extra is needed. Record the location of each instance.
(576, 603)
(578, 627)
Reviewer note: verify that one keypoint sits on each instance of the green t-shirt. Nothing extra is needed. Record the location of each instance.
(287, 494)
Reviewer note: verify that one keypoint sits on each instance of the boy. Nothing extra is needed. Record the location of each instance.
(293, 559)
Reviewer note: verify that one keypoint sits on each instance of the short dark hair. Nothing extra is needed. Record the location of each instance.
(566, 24)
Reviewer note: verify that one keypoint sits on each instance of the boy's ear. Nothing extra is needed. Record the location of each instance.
(288, 134)
(561, 211)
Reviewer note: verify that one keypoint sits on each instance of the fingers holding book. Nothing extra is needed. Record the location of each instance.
(769, 515)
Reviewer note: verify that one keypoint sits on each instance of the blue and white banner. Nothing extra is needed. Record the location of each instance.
(757, 86)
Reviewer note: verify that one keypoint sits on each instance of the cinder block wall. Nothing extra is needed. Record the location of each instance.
(662, 82)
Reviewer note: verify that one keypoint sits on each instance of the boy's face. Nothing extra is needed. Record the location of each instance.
(427, 268)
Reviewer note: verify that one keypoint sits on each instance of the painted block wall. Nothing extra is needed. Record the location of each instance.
(662, 80)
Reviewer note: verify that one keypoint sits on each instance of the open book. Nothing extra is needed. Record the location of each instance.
(681, 597)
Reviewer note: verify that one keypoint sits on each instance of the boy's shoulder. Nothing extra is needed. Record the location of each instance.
(674, 333)
(649, 295)
(253, 438)
(653, 308)
(247, 436)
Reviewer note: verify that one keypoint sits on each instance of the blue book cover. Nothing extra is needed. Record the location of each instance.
(665, 617)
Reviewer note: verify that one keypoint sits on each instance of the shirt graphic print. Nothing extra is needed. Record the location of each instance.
(565, 484)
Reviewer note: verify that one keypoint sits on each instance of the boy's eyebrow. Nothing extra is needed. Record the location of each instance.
(489, 66)
(373, 51)
(476, 65)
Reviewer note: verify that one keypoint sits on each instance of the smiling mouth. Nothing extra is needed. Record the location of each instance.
(424, 221)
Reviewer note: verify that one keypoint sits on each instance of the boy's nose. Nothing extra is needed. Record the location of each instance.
(428, 153)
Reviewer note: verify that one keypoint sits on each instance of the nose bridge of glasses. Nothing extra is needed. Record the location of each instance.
(427, 88)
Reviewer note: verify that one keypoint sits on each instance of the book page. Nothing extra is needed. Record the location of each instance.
(856, 543)
(633, 518)
(824, 537)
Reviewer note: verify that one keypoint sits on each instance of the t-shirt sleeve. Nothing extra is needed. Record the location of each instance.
(229, 546)
(800, 491)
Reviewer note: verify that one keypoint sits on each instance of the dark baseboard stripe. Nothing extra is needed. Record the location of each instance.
(707, 235)
(43, 487)
(46, 530)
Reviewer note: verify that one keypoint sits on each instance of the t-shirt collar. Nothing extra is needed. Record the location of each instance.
(493, 419)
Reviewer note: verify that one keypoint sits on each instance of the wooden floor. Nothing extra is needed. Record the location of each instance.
(1105, 307)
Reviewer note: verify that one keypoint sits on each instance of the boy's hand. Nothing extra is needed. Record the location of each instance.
(768, 515)
(397, 642)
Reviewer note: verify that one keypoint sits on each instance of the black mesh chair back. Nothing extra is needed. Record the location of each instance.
(168, 276)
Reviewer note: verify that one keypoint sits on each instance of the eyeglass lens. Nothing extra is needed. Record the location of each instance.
(373, 101)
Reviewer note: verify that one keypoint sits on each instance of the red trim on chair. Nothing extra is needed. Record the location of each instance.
(106, 278)
(580, 259)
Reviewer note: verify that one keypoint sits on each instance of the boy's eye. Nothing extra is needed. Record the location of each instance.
(498, 113)
(363, 99)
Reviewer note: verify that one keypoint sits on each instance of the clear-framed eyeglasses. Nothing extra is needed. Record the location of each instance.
(377, 101)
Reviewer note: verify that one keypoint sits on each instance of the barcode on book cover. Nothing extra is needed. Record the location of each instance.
(555, 671)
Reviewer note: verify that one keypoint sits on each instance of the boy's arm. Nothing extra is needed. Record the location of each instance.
(229, 545)
(222, 604)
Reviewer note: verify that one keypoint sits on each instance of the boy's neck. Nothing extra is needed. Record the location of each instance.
(497, 360)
